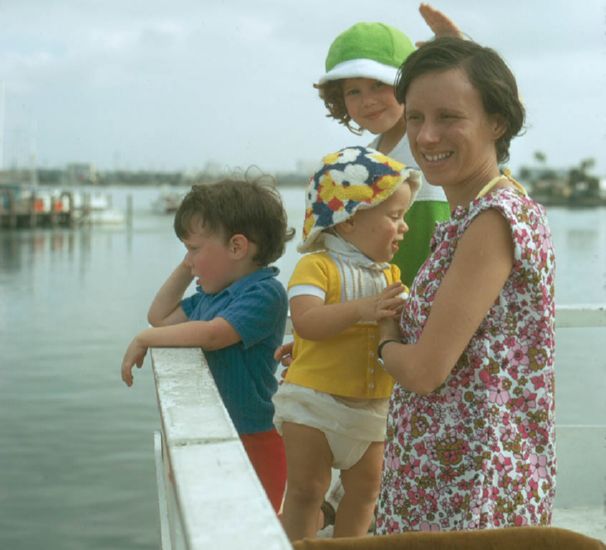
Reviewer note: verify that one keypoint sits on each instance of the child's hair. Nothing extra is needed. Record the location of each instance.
(365, 50)
(237, 206)
(331, 93)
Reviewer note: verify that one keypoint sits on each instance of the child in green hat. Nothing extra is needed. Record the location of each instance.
(358, 91)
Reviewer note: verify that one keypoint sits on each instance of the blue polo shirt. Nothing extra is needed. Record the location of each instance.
(256, 307)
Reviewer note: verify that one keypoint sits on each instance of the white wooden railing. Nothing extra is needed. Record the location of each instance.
(209, 495)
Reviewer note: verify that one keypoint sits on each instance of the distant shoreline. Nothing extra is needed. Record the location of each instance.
(570, 203)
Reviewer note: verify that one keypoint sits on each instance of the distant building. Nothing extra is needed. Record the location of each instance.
(81, 174)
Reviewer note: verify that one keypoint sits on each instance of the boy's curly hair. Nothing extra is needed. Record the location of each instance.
(238, 206)
(331, 93)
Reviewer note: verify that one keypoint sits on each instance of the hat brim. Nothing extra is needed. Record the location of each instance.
(408, 175)
(361, 68)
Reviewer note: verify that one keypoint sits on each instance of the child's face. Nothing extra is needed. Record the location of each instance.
(377, 232)
(210, 259)
(372, 104)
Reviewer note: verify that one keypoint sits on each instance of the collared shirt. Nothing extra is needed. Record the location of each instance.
(256, 307)
(345, 364)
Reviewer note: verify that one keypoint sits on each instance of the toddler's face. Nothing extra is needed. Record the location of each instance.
(377, 232)
(372, 104)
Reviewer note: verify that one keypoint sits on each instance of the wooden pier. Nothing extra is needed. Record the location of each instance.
(35, 211)
(44, 209)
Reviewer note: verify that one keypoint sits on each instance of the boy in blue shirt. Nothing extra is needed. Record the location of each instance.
(232, 231)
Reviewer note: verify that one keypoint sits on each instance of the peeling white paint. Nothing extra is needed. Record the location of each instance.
(213, 496)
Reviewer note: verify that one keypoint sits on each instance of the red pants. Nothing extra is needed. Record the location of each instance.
(266, 453)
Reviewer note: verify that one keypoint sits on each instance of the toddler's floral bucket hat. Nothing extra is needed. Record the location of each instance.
(347, 181)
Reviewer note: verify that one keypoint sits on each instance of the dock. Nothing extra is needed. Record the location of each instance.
(37, 210)
(33, 208)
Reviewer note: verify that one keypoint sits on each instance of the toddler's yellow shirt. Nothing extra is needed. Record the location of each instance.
(346, 364)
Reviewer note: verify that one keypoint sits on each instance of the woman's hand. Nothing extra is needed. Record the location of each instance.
(389, 329)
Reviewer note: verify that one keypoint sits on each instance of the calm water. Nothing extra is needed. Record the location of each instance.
(76, 461)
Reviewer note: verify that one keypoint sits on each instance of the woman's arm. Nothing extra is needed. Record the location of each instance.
(312, 319)
(480, 267)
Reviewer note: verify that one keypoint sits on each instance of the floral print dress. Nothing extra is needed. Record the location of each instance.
(479, 451)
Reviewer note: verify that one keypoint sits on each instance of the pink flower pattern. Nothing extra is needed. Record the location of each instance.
(479, 452)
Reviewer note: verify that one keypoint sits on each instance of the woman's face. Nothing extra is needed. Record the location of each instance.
(451, 136)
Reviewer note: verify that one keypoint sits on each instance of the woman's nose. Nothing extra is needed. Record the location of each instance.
(427, 133)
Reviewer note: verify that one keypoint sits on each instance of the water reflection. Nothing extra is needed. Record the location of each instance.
(22, 249)
(580, 240)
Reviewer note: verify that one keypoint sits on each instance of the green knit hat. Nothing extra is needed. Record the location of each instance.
(367, 50)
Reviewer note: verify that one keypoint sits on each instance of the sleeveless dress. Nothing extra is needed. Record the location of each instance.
(479, 451)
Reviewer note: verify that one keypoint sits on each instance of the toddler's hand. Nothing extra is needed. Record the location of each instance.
(392, 299)
(284, 354)
(135, 354)
(386, 304)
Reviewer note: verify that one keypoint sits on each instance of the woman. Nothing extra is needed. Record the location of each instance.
(470, 431)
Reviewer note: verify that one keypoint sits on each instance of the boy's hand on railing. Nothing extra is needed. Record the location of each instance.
(135, 354)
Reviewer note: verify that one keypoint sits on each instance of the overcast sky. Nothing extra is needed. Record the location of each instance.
(144, 84)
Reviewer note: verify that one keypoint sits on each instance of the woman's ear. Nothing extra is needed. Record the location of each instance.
(238, 246)
(498, 125)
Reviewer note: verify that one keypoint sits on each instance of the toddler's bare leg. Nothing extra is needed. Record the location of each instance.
(361, 484)
(309, 460)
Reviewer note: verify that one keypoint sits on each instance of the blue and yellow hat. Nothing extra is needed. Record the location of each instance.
(349, 180)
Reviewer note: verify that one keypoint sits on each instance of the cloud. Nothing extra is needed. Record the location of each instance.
(182, 83)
